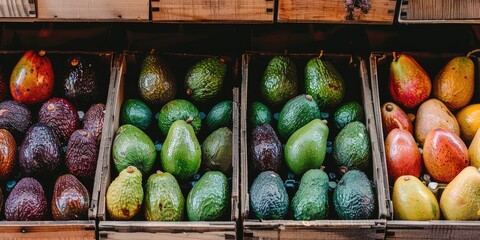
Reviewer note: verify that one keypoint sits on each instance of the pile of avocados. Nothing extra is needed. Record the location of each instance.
(51, 119)
(172, 153)
(309, 153)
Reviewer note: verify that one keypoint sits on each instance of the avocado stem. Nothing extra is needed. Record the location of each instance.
(473, 51)
(321, 54)
(189, 91)
(189, 120)
(159, 172)
(41, 53)
(74, 62)
(222, 60)
(389, 107)
(395, 56)
(50, 107)
(309, 97)
(322, 168)
(152, 51)
(343, 170)
(130, 169)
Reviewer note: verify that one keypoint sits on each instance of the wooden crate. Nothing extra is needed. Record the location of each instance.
(439, 11)
(396, 229)
(125, 86)
(17, 9)
(49, 229)
(305, 11)
(243, 11)
(354, 71)
(120, 10)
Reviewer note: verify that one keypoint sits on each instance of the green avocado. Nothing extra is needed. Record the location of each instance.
(296, 113)
(268, 197)
(181, 154)
(306, 148)
(137, 113)
(311, 200)
(279, 82)
(259, 114)
(351, 147)
(217, 151)
(208, 200)
(132, 147)
(354, 197)
(178, 109)
(324, 83)
(220, 115)
(164, 200)
(125, 194)
(348, 112)
(204, 80)
(156, 83)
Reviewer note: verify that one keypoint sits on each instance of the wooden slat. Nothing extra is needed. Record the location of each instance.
(440, 11)
(213, 10)
(81, 230)
(17, 8)
(432, 229)
(99, 9)
(333, 11)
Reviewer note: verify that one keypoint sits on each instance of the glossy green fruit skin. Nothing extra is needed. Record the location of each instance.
(164, 200)
(348, 112)
(324, 83)
(311, 200)
(205, 79)
(178, 109)
(296, 113)
(156, 82)
(220, 115)
(137, 113)
(217, 151)
(268, 197)
(279, 81)
(306, 148)
(181, 154)
(351, 147)
(208, 200)
(259, 114)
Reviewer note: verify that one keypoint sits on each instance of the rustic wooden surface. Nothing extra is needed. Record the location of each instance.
(440, 10)
(17, 8)
(100, 9)
(213, 10)
(333, 11)
(58, 230)
(440, 229)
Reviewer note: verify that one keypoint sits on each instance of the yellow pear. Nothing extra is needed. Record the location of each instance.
(461, 198)
(412, 200)
(474, 150)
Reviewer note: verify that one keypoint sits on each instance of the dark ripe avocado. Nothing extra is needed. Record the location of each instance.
(15, 117)
(265, 149)
(220, 115)
(137, 113)
(178, 109)
(351, 147)
(209, 198)
(93, 121)
(353, 197)
(217, 151)
(204, 80)
(80, 82)
(61, 116)
(32, 78)
(26, 202)
(296, 113)
(279, 82)
(164, 200)
(70, 200)
(324, 83)
(156, 83)
(132, 147)
(40, 153)
(8, 153)
(268, 197)
(82, 154)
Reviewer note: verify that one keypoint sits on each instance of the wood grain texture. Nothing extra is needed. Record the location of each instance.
(333, 11)
(17, 8)
(81, 230)
(440, 10)
(99, 9)
(213, 10)
(170, 236)
(439, 229)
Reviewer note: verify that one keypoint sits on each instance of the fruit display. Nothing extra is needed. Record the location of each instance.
(429, 119)
(308, 156)
(49, 154)
(172, 152)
